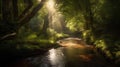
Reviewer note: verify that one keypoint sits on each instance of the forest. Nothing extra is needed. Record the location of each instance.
(32, 27)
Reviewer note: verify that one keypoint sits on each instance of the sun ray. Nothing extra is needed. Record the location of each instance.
(51, 6)
(55, 18)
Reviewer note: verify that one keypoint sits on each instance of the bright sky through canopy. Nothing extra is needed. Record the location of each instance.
(39, 0)
(55, 18)
(51, 5)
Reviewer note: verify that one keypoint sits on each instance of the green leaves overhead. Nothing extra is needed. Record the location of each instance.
(99, 17)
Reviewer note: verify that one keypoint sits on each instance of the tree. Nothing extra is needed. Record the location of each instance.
(100, 19)
(12, 20)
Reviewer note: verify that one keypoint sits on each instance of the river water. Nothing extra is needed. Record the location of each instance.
(65, 57)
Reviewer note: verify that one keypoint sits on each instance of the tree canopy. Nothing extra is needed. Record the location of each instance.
(96, 21)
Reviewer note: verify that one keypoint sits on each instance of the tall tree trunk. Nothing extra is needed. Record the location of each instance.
(46, 24)
(0, 10)
(88, 16)
(6, 11)
(15, 9)
(6, 26)
(90, 13)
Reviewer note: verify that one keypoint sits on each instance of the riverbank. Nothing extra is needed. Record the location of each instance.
(18, 51)
(10, 52)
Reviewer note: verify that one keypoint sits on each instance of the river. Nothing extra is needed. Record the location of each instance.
(75, 55)
(64, 57)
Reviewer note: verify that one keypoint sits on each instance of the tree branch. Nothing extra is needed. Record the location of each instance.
(29, 6)
(27, 18)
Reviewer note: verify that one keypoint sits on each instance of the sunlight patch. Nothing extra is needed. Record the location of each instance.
(50, 5)
(39, 0)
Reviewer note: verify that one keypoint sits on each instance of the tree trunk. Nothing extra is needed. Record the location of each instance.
(15, 9)
(6, 11)
(6, 26)
(46, 24)
(0, 11)
(88, 16)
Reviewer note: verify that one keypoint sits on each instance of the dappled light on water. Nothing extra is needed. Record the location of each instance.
(86, 57)
(56, 58)
(73, 45)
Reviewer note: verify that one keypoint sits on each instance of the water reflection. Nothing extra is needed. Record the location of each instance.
(60, 57)
(74, 54)
(54, 58)
(65, 57)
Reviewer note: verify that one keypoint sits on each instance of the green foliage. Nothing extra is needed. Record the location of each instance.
(88, 37)
(73, 12)
(101, 44)
(75, 23)
(21, 5)
(98, 20)
(101, 17)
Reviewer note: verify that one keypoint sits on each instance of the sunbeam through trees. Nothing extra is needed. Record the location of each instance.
(30, 28)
